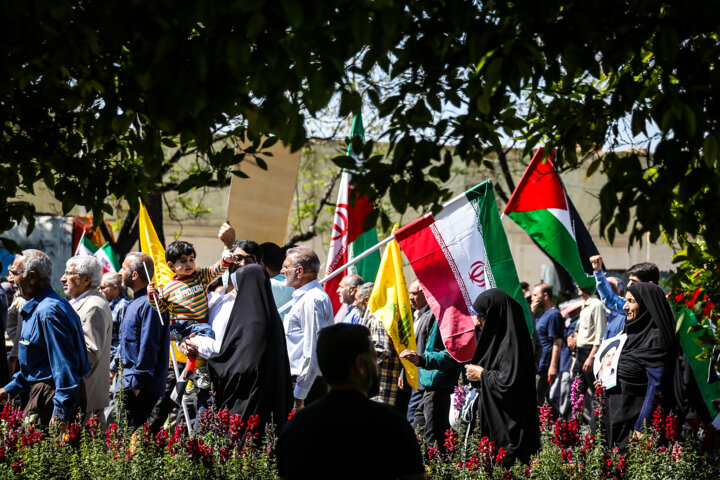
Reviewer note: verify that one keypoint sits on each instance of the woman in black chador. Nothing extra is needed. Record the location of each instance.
(651, 362)
(251, 374)
(503, 372)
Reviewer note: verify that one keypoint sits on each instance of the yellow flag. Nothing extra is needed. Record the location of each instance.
(390, 303)
(150, 244)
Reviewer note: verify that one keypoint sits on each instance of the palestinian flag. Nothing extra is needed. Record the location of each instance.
(458, 254)
(541, 207)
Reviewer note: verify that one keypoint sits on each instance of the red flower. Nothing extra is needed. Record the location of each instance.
(501, 456)
(671, 428)
(567, 433)
(450, 440)
(707, 309)
(691, 303)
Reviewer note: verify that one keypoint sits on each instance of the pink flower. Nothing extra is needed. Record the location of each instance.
(676, 452)
(577, 399)
(546, 417)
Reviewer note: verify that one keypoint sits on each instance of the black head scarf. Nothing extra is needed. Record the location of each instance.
(506, 410)
(251, 374)
(651, 340)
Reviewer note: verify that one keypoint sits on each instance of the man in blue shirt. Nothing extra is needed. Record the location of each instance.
(347, 289)
(113, 290)
(272, 259)
(550, 330)
(52, 353)
(144, 343)
(638, 273)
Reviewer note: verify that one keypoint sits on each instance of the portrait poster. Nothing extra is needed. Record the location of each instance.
(606, 360)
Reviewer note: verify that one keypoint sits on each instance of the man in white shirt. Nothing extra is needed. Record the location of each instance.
(311, 312)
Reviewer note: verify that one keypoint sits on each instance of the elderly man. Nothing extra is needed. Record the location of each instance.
(438, 375)
(423, 315)
(80, 281)
(144, 343)
(311, 312)
(112, 289)
(14, 327)
(389, 365)
(345, 435)
(52, 353)
(347, 289)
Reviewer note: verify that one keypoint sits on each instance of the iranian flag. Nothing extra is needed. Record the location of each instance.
(85, 246)
(347, 233)
(458, 254)
(108, 259)
(541, 207)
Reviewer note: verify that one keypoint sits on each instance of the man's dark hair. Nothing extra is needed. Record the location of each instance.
(250, 247)
(177, 249)
(136, 265)
(645, 272)
(545, 288)
(337, 348)
(272, 255)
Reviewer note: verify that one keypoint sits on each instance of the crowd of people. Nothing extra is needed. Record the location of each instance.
(100, 352)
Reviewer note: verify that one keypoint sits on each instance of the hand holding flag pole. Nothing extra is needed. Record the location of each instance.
(172, 355)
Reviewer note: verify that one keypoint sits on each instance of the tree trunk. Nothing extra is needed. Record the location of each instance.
(130, 231)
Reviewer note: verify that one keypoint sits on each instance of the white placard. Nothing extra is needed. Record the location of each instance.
(606, 360)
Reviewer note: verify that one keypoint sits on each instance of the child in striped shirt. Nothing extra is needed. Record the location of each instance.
(185, 295)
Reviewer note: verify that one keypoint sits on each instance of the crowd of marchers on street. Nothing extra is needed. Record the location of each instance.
(105, 350)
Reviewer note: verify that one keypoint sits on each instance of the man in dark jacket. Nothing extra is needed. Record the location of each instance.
(144, 343)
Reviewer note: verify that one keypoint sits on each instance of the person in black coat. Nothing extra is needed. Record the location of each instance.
(503, 371)
(251, 374)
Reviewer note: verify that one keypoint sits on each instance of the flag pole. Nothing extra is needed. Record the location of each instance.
(79, 243)
(172, 356)
(349, 264)
(367, 252)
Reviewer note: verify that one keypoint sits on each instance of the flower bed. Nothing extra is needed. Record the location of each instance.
(229, 447)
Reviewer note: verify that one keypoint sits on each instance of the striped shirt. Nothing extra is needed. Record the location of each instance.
(186, 298)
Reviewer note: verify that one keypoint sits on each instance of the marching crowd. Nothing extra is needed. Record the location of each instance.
(101, 352)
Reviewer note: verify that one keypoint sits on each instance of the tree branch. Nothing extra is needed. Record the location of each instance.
(502, 159)
(304, 236)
